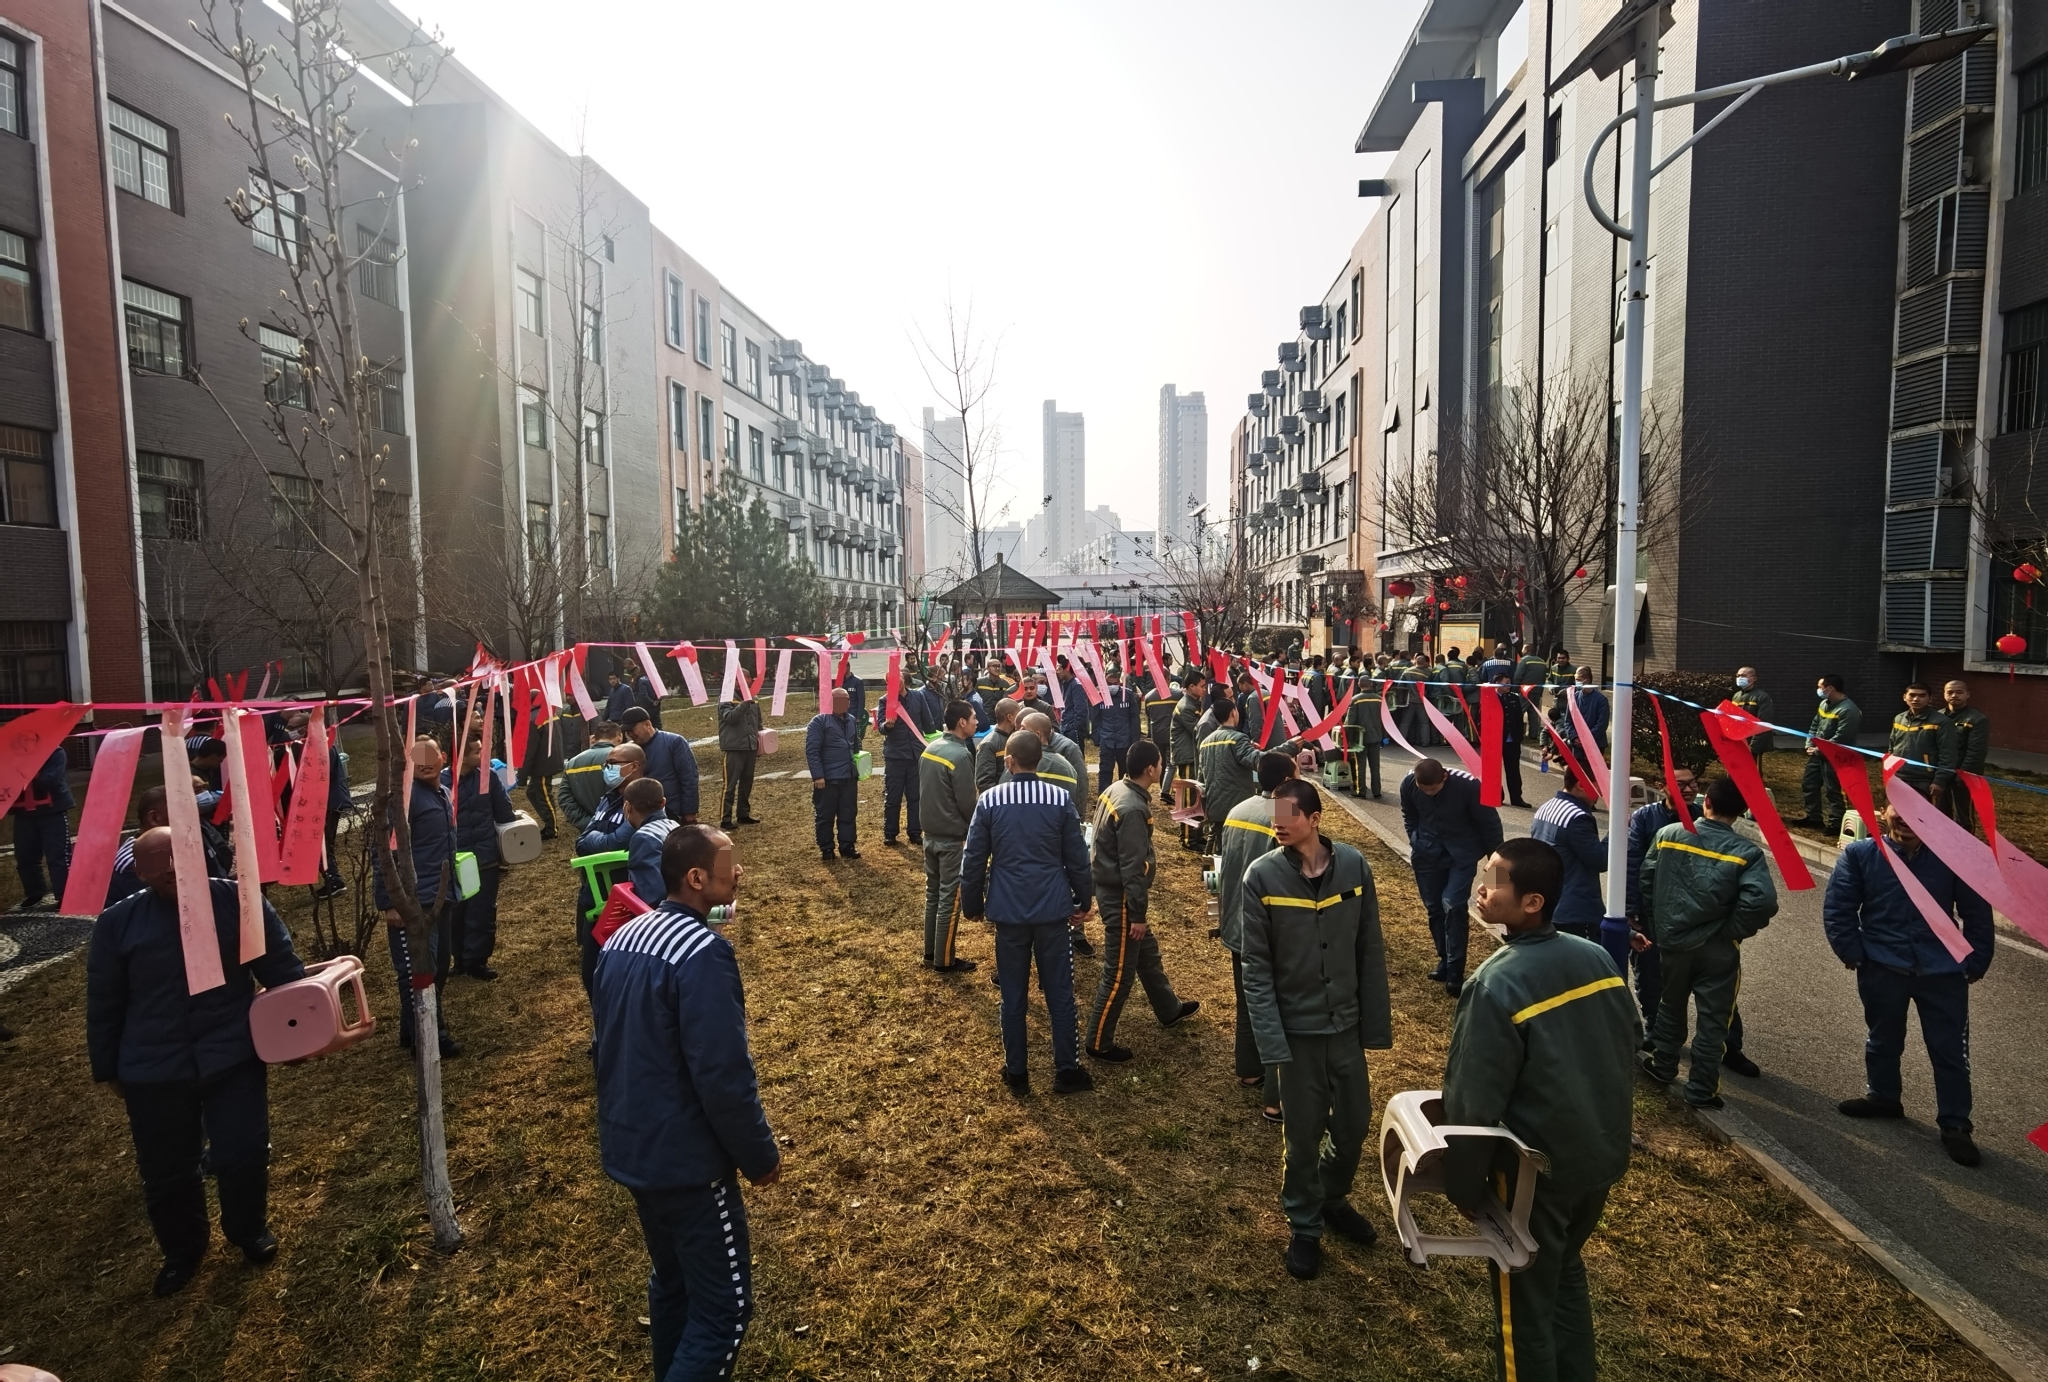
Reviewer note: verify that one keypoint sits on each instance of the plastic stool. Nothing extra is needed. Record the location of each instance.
(519, 840)
(1412, 1146)
(304, 1019)
(599, 872)
(767, 741)
(1187, 802)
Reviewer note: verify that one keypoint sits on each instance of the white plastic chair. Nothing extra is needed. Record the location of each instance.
(1412, 1146)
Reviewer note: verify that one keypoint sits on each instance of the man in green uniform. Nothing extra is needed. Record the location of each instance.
(988, 759)
(1925, 737)
(1836, 719)
(1456, 673)
(1186, 738)
(1416, 725)
(1973, 742)
(1703, 894)
(1227, 759)
(1159, 710)
(1315, 979)
(1531, 675)
(1757, 701)
(1248, 835)
(946, 796)
(1122, 869)
(1362, 734)
(1542, 1046)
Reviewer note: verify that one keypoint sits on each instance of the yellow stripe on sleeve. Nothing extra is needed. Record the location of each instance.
(1612, 981)
(1703, 853)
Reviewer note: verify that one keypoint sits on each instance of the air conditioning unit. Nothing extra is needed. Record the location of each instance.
(885, 434)
(1312, 482)
(1311, 400)
(1255, 463)
(1290, 498)
(1269, 380)
(821, 450)
(1315, 323)
(1269, 446)
(889, 544)
(1309, 565)
(836, 467)
(1290, 425)
(1290, 354)
(1255, 404)
(787, 358)
(1269, 510)
(793, 516)
(887, 488)
(818, 377)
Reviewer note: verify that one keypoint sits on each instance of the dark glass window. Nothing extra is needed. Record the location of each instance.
(2026, 341)
(30, 494)
(156, 328)
(33, 665)
(172, 493)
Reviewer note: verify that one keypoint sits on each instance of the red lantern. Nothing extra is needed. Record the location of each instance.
(1400, 590)
(1579, 574)
(1458, 581)
(2011, 644)
(2026, 573)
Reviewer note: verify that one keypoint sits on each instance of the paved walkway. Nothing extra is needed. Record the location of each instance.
(1978, 1235)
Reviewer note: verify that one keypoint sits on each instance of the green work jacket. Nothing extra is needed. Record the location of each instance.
(1315, 963)
(1123, 860)
(1187, 743)
(1973, 737)
(1247, 835)
(1228, 758)
(1714, 885)
(945, 787)
(1839, 723)
(1926, 738)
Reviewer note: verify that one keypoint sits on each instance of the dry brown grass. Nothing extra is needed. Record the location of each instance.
(928, 1226)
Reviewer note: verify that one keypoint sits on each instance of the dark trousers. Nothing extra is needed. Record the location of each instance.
(1944, 1004)
(475, 921)
(899, 797)
(1362, 752)
(941, 899)
(172, 1123)
(1126, 962)
(1050, 946)
(534, 778)
(329, 831)
(739, 785)
(1245, 1055)
(1110, 767)
(1961, 809)
(1326, 1103)
(700, 1293)
(401, 965)
(1446, 885)
(1649, 967)
(1709, 975)
(1821, 793)
(835, 802)
(1542, 1315)
(1511, 768)
(42, 842)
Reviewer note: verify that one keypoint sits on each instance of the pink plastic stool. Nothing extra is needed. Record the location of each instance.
(1187, 801)
(766, 741)
(1305, 763)
(304, 1018)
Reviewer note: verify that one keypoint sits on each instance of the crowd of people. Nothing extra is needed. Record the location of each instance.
(986, 775)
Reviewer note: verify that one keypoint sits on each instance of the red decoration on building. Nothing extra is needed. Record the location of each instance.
(1458, 581)
(1400, 590)
(2026, 573)
(2011, 644)
(1579, 574)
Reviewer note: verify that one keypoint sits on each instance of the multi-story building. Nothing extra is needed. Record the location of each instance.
(1065, 498)
(943, 493)
(1183, 462)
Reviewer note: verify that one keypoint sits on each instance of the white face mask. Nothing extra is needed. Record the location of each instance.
(1742, 683)
(1821, 692)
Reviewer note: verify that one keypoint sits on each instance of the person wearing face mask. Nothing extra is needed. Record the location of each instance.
(583, 785)
(1925, 738)
(610, 829)
(1752, 698)
(430, 820)
(1973, 744)
(1838, 720)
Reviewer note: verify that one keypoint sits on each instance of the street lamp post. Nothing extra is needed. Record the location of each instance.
(1633, 34)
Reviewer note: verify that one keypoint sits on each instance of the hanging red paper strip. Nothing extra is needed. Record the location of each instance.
(26, 743)
(1735, 757)
(1678, 801)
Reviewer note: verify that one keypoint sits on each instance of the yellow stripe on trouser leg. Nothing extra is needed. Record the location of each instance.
(1116, 985)
(952, 925)
(1507, 1305)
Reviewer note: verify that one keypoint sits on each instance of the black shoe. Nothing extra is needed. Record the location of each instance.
(1806, 822)
(450, 1047)
(1082, 945)
(1646, 1061)
(1019, 1082)
(1716, 1102)
(1436, 976)
(1345, 1220)
(1454, 987)
(849, 854)
(750, 820)
(727, 825)
(1517, 801)
(332, 887)
(1740, 1064)
(260, 1249)
(827, 856)
(959, 966)
(1304, 1257)
(546, 835)
(1960, 1148)
(1870, 1108)
(1072, 1081)
(173, 1278)
(480, 971)
(917, 842)
(1115, 1055)
(889, 840)
(1188, 1008)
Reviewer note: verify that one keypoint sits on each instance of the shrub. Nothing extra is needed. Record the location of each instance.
(1689, 745)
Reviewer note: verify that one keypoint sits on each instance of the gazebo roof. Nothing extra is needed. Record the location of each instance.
(999, 585)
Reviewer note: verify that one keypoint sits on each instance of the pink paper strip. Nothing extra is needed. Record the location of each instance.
(652, 672)
(305, 823)
(1969, 858)
(26, 743)
(249, 886)
(263, 804)
(1052, 677)
(580, 689)
(196, 934)
(1460, 745)
(727, 689)
(1589, 745)
(99, 825)
(1159, 681)
(782, 658)
(1387, 720)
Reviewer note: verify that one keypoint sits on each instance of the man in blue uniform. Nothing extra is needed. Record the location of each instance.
(670, 761)
(1114, 724)
(1566, 824)
(42, 835)
(430, 818)
(902, 746)
(830, 742)
(679, 1114)
(481, 806)
(1449, 832)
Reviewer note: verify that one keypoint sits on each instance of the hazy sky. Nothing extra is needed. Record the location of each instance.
(1128, 194)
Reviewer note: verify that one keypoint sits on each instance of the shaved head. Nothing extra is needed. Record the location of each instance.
(1039, 724)
(154, 866)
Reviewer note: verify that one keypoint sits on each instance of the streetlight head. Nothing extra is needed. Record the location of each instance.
(1615, 44)
(1908, 51)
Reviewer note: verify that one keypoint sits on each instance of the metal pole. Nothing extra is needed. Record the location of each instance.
(1628, 482)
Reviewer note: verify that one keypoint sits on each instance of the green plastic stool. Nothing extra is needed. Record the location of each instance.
(600, 871)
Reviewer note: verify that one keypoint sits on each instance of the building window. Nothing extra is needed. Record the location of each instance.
(531, 313)
(600, 541)
(285, 381)
(2030, 166)
(386, 388)
(540, 530)
(533, 423)
(30, 495)
(2026, 341)
(729, 352)
(18, 297)
(611, 251)
(1357, 302)
(376, 266)
(707, 428)
(753, 369)
(703, 330)
(294, 513)
(169, 491)
(144, 155)
(33, 666)
(156, 328)
(673, 311)
(277, 218)
(593, 440)
(593, 334)
(757, 454)
(679, 417)
(732, 440)
(11, 119)
(682, 507)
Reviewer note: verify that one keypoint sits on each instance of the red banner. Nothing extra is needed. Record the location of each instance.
(1741, 766)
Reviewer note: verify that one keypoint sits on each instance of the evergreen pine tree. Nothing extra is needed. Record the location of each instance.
(734, 574)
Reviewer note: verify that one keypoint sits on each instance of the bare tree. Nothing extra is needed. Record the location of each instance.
(1212, 577)
(315, 179)
(961, 370)
(1518, 501)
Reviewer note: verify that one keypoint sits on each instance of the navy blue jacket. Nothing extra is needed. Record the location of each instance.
(478, 814)
(48, 793)
(620, 700)
(1643, 824)
(677, 1100)
(123, 881)
(1451, 825)
(673, 763)
(1114, 723)
(643, 859)
(643, 696)
(1567, 826)
(431, 817)
(1025, 861)
(902, 743)
(1870, 920)
(857, 705)
(1594, 705)
(140, 1023)
(830, 741)
(1074, 712)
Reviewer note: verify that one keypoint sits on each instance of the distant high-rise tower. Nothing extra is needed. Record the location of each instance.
(946, 553)
(1066, 483)
(1183, 463)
